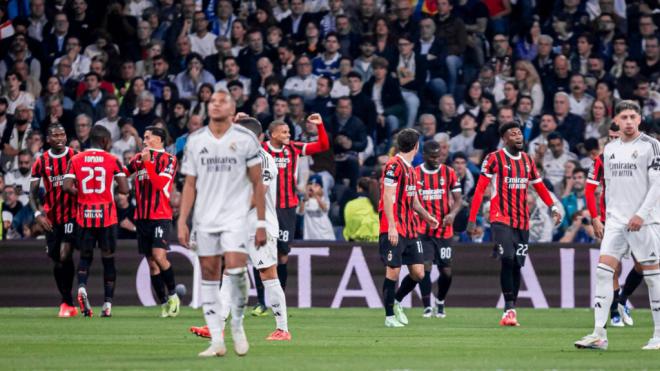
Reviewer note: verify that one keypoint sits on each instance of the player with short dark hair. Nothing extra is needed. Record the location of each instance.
(57, 214)
(286, 154)
(155, 169)
(436, 181)
(510, 170)
(398, 242)
(89, 177)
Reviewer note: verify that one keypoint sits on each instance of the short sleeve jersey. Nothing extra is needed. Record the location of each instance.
(223, 187)
(94, 171)
(399, 173)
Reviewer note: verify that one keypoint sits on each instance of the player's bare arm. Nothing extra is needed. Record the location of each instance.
(69, 186)
(122, 185)
(187, 200)
(455, 208)
(421, 211)
(36, 206)
(259, 200)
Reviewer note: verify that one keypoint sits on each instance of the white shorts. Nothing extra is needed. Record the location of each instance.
(218, 243)
(643, 244)
(266, 255)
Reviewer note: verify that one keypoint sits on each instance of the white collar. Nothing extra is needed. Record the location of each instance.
(512, 156)
(404, 160)
(276, 150)
(53, 155)
(427, 171)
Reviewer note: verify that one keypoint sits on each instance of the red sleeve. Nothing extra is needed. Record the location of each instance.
(590, 196)
(544, 194)
(478, 197)
(593, 180)
(321, 145)
(533, 172)
(158, 180)
(36, 169)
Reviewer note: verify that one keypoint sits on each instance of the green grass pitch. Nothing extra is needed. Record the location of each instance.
(332, 339)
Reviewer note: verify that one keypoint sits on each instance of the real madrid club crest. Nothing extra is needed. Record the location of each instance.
(233, 147)
(635, 154)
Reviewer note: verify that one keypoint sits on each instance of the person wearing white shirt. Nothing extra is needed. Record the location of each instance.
(303, 83)
(464, 142)
(111, 119)
(579, 100)
(202, 41)
(554, 161)
(20, 177)
(232, 72)
(15, 96)
(80, 64)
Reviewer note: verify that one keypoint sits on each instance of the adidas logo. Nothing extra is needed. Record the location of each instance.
(204, 151)
(260, 262)
(209, 312)
(653, 254)
(597, 305)
(612, 157)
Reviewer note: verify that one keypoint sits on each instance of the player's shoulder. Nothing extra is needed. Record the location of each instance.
(651, 143)
(197, 135)
(242, 132)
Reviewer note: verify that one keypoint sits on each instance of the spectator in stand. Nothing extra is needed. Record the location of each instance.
(580, 229)
(451, 32)
(554, 161)
(625, 84)
(201, 40)
(350, 137)
(314, 208)
(579, 100)
(14, 94)
(327, 63)
(573, 198)
(471, 99)
(570, 126)
(304, 82)
(529, 83)
(464, 142)
(130, 139)
(599, 121)
(189, 81)
(194, 123)
(111, 119)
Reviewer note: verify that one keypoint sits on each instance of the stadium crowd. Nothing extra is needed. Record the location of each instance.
(454, 69)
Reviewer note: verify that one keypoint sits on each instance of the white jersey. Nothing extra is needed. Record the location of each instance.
(223, 186)
(269, 177)
(630, 169)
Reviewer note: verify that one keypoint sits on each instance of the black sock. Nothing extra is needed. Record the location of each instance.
(58, 273)
(388, 296)
(69, 272)
(83, 270)
(633, 280)
(109, 278)
(614, 311)
(516, 281)
(444, 282)
(425, 289)
(168, 280)
(159, 287)
(282, 274)
(407, 285)
(259, 285)
(506, 281)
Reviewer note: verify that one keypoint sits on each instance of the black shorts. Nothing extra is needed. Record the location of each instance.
(510, 243)
(437, 250)
(152, 234)
(287, 221)
(408, 251)
(105, 238)
(62, 233)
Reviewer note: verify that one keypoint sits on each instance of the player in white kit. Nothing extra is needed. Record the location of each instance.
(264, 258)
(223, 177)
(631, 167)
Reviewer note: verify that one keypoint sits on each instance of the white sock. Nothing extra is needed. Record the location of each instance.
(652, 279)
(212, 306)
(238, 284)
(225, 298)
(277, 301)
(603, 298)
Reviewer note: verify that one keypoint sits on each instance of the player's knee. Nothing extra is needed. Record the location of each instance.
(235, 271)
(153, 266)
(417, 274)
(604, 272)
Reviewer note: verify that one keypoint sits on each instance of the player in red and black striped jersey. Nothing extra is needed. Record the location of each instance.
(398, 242)
(510, 170)
(57, 214)
(90, 177)
(286, 154)
(155, 169)
(436, 182)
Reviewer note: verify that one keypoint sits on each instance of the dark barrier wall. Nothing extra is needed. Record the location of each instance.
(324, 275)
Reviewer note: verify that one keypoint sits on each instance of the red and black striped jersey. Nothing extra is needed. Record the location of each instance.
(59, 206)
(597, 177)
(153, 185)
(93, 171)
(510, 177)
(286, 159)
(435, 188)
(399, 173)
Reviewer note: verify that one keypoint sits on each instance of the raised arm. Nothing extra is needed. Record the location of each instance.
(323, 143)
